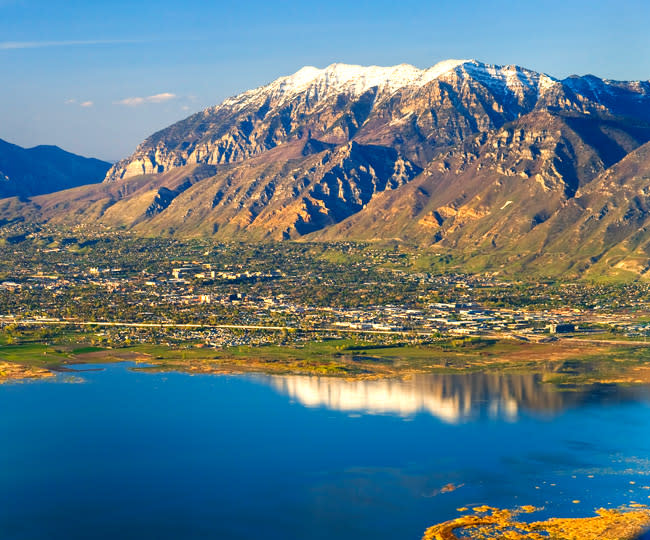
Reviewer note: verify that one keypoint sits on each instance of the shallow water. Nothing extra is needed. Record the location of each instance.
(172, 456)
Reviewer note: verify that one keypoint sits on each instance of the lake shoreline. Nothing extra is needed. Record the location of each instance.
(564, 363)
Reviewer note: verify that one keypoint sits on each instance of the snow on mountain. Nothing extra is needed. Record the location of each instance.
(317, 84)
(512, 78)
(353, 80)
(625, 98)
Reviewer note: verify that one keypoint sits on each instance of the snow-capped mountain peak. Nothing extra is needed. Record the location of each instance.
(349, 79)
(415, 111)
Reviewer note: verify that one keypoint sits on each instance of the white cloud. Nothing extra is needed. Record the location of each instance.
(156, 98)
(159, 98)
(73, 101)
(9, 45)
(131, 101)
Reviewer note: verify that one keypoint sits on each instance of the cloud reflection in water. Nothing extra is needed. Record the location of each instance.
(453, 398)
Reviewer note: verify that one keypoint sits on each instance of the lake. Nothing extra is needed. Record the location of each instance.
(115, 453)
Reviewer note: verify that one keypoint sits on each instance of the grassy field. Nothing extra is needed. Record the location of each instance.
(564, 362)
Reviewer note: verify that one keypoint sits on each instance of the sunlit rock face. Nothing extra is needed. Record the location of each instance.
(451, 398)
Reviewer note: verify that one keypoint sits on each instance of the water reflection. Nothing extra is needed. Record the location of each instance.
(452, 398)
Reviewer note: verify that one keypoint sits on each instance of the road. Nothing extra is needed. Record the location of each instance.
(8, 319)
(61, 322)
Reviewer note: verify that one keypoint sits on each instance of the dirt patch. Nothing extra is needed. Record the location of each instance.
(14, 372)
(112, 355)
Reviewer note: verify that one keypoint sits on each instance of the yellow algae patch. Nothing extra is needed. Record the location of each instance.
(495, 524)
(608, 525)
(528, 509)
(13, 372)
(447, 488)
(483, 509)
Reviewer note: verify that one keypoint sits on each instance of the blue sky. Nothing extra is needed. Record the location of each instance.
(97, 77)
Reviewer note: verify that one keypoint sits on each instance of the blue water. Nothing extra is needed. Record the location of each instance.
(128, 454)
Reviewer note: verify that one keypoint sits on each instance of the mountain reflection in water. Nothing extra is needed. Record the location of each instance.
(452, 398)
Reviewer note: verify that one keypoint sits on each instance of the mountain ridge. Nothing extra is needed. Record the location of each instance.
(287, 119)
(44, 169)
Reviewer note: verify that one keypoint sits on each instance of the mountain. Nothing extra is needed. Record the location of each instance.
(311, 185)
(411, 110)
(499, 164)
(414, 111)
(44, 169)
(605, 227)
(498, 186)
(563, 193)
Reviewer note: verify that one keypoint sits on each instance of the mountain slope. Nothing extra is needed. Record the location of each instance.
(292, 190)
(491, 191)
(119, 204)
(606, 226)
(281, 196)
(44, 169)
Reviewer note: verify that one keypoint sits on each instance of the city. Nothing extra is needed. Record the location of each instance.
(201, 297)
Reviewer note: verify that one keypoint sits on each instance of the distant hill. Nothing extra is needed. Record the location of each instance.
(25, 172)
(499, 167)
